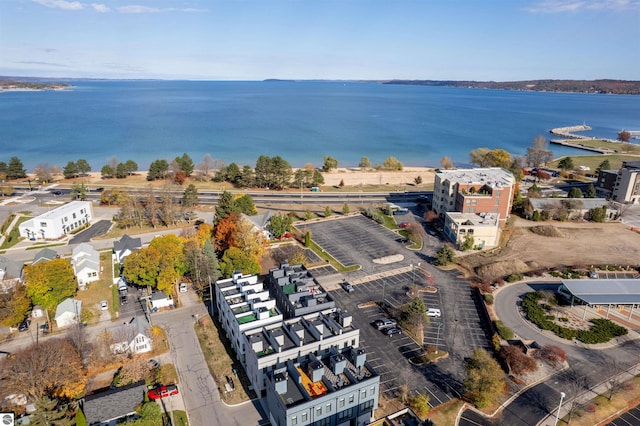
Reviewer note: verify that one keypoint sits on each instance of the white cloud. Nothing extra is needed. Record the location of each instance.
(99, 7)
(561, 6)
(138, 9)
(60, 4)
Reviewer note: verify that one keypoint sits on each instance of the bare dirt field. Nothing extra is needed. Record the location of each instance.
(570, 244)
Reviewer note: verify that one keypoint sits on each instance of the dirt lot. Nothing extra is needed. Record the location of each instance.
(577, 244)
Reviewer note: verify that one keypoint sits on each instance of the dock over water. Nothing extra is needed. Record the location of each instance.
(568, 132)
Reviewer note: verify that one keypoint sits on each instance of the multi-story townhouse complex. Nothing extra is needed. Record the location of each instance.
(482, 195)
(296, 291)
(622, 185)
(274, 344)
(308, 368)
(243, 303)
(336, 388)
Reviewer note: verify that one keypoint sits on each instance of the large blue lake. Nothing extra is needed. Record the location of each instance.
(300, 121)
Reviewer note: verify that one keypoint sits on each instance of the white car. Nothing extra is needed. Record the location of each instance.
(183, 287)
(104, 305)
(433, 312)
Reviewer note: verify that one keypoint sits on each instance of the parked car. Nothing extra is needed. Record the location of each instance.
(381, 324)
(57, 192)
(433, 312)
(346, 286)
(183, 287)
(104, 305)
(162, 391)
(153, 363)
(401, 211)
(123, 299)
(24, 325)
(404, 225)
(393, 330)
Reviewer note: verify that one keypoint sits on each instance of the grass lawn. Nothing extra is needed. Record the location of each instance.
(222, 361)
(180, 418)
(13, 237)
(600, 408)
(98, 291)
(593, 161)
(445, 414)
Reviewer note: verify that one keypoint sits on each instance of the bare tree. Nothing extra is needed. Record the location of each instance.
(575, 385)
(539, 154)
(113, 162)
(79, 338)
(614, 369)
(205, 165)
(446, 163)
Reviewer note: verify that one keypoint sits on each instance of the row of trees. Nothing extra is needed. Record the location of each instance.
(13, 170)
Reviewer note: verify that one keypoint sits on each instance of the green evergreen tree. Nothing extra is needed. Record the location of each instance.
(317, 179)
(15, 169)
(345, 209)
(212, 268)
(79, 191)
(107, 171)
(444, 256)
(590, 192)
(575, 192)
(186, 164)
(190, 196)
(327, 211)
(225, 206)
(244, 204)
(131, 167)
(121, 171)
(70, 170)
(50, 413)
(330, 163)
(83, 167)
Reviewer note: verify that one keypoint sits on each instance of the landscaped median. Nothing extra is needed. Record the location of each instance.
(537, 305)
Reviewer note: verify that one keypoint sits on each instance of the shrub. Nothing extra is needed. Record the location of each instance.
(517, 360)
(553, 354)
(515, 277)
(505, 332)
(488, 298)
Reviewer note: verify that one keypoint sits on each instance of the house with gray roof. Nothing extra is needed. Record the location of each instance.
(133, 336)
(10, 273)
(114, 405)
(260, 222)
(85, 261)
(125, 246)
(68, 312)
(45, 255)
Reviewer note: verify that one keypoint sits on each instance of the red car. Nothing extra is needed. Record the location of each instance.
(404, 225)
(162, 391)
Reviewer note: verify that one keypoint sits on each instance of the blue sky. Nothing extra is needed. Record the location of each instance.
(498, 40)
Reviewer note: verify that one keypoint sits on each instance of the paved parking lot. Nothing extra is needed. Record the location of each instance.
(355, 240)
(630, 418)
(359, 240)
(390, 355)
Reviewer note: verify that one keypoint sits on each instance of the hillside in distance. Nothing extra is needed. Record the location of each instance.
(616, 87)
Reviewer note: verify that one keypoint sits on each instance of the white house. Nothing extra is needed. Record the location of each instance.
(132, 336)
(86, 264)
(58, 222)
(68, 312)
(159, 300)
(260, 222)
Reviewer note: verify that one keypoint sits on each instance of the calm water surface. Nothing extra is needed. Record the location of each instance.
(300, 121)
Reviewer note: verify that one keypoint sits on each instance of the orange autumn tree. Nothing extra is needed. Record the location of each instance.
(225, 232)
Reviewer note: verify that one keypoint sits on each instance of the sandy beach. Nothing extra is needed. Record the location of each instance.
(350, 177)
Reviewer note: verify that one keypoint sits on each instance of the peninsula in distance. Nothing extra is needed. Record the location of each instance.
(606, 86)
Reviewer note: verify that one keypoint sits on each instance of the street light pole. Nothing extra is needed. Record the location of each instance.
(438, 336)
(562, 395)
(413, 277)
(384, 289)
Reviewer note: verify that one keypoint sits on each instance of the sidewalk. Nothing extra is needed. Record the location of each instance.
(586, 396)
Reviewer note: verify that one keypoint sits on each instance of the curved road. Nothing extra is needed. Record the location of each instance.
(533, 405)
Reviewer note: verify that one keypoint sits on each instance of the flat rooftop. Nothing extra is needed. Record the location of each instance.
(473, 219)
(495, 177)
(604, 292)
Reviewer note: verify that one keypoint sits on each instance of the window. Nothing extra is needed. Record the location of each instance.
(341, 402)
(364, 393)
(73, 215)
(318, 411)
(351, 399)
(43, 224)
(373, 390)
(496, 202)
(294, 420)
(328, 408)
(304, 417)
